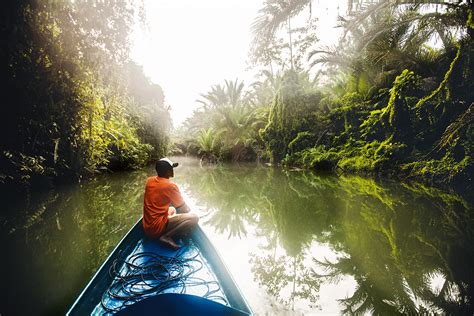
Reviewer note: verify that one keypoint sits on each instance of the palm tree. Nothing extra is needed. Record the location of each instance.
(208, 143)
(276, 13)
(271, 18)
(227, 108)
(215, 98)
(266, 88)
(234, 92)
(231, 94)
(385, 39)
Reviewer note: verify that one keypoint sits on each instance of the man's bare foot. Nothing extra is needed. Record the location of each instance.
(169, 242)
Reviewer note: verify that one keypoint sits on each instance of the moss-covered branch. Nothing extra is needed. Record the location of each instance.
(443, 86)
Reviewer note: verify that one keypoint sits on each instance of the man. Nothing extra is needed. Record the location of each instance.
(158, 219)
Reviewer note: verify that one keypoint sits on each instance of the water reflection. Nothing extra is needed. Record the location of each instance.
(394, 240)
(407, 248)
(56, 240)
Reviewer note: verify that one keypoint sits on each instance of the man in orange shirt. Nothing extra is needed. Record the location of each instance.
(158, 219)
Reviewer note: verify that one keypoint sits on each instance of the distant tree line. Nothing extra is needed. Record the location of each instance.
(73, 103)
(394, 96)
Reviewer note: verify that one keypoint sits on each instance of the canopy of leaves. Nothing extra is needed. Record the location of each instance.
(73, 103)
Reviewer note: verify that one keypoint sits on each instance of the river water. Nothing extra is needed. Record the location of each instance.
(295, 242)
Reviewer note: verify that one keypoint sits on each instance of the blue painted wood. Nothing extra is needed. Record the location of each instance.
(179, 305)
(135, 240)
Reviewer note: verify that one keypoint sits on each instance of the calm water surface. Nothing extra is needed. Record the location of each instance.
(296, 243)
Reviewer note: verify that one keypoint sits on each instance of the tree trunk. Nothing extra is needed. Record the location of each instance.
(291, 43)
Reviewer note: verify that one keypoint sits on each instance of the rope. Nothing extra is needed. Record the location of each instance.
(145, 274)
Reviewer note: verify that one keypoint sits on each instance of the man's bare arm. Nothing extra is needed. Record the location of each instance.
(183, 208)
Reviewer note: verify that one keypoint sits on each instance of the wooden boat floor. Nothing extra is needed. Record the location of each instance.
(201, 282)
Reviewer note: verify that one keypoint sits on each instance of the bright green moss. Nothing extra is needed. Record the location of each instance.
(470, 20)
(443, 86)
(442, 170)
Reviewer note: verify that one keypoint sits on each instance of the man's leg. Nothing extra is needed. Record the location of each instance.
(178, 225)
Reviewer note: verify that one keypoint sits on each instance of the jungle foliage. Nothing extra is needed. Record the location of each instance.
(394, 96)
(73, 102)
(226, 126)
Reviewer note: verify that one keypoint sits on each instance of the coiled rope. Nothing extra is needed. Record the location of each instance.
(145, 274)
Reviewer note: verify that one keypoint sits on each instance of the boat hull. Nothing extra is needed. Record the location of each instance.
(198, 247)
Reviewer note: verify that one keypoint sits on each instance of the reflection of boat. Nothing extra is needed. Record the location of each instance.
(141, 275)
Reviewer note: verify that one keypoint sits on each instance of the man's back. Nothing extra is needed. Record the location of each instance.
(159, 194)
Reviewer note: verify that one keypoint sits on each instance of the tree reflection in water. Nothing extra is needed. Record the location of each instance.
(56, 240)
(392, 238)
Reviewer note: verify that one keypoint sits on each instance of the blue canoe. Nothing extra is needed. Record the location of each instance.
(143, 277)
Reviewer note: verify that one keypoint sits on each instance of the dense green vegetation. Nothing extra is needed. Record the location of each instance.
(395, 96)
(73, 103)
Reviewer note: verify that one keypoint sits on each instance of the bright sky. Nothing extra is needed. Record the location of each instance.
(192, 45)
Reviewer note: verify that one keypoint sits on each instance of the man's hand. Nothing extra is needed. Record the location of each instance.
(171, 211)
(183, 209)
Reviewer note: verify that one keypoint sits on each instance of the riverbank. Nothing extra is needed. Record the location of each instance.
(74, 105)
(444, 173)
(385, 100)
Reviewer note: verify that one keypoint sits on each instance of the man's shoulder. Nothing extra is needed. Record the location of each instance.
(172, 184)
(152, 181)
(161, 182)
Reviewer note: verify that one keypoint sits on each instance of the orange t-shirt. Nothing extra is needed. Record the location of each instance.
(159, 194)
